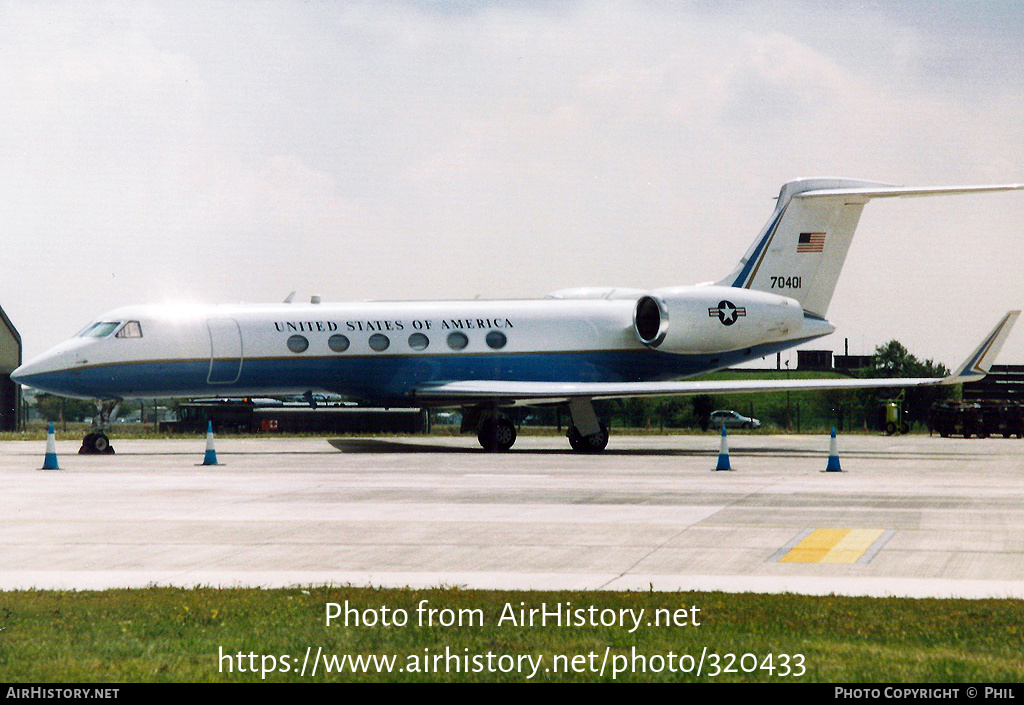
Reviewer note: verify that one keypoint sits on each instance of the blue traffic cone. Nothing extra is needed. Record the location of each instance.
(833, 454)
(50, 459)
(211, 454)
(723, 453)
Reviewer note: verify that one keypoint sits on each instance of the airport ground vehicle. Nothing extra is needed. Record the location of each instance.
(891, 417)
(1003, 418)
(731, 419)
(981, 419)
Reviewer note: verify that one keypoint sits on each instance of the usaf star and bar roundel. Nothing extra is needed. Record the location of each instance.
(727, 312)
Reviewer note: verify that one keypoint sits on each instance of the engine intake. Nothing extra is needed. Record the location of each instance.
(651, 321)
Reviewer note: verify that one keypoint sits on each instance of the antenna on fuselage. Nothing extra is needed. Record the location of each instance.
(288, 299)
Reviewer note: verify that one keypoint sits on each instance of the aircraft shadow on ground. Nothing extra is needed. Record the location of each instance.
(383, 445)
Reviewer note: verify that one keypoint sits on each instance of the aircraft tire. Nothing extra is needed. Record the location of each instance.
(588, 444)
(87, 444)
(96, 444)
(496, 435)
(904, 428)
(101, 443)
(890, 428)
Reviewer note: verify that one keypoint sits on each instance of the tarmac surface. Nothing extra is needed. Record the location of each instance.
(914, 515)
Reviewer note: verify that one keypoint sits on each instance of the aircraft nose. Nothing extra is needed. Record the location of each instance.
(25, 374)
(46, 372)
(20, 373)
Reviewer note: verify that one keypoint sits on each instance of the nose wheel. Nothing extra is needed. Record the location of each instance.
(96, 441)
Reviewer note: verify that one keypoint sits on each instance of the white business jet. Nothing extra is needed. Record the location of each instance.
(572, 347)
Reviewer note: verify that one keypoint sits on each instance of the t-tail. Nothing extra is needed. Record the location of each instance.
(801, 250)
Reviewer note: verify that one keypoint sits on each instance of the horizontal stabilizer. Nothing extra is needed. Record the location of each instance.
(895, 191)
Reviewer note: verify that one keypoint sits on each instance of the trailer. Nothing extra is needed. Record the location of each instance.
(273, 416)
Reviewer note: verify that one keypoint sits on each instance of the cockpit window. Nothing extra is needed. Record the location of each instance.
(131, 329)
(100, 330)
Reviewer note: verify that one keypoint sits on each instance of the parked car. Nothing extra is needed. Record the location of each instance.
(731, 419)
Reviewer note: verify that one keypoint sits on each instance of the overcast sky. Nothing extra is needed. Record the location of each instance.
(235, 151)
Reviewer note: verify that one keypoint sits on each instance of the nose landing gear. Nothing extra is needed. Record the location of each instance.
(96, 441)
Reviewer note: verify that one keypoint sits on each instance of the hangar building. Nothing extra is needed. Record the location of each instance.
(10, 359)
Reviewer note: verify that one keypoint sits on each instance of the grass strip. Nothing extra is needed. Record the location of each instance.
(207, 635)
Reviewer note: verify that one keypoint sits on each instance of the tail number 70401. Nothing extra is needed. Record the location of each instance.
(786, 282)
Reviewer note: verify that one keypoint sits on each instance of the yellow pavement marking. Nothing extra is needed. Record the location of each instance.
(833, 546)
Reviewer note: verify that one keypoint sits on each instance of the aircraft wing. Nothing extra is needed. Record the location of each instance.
(502, 392)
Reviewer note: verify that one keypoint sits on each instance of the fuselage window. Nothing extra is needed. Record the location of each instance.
(418, 341)
(100, 330)
(379, 342)
(131, 329)
(496, 339)
(298, 343)
(338, 343)
(457, 340)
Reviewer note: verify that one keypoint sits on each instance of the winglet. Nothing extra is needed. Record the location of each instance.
(979, 361)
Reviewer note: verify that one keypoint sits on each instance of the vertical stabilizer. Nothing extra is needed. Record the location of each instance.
(801, 250)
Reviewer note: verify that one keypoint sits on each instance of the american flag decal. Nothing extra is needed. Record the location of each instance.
(810, 242)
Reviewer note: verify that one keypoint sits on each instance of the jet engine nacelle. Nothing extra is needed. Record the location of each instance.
(710, 319)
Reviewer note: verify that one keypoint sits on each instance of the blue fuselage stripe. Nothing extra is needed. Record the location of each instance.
(383, 379)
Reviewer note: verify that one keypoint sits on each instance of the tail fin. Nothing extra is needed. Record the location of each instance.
(801, 250)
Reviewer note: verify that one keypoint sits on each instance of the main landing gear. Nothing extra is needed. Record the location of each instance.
(594, 443)
(496, 432)
(96, 441)
(586, 434)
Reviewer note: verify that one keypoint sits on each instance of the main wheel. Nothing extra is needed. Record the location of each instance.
(588, 444)
(890, 428)
(496, 435)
